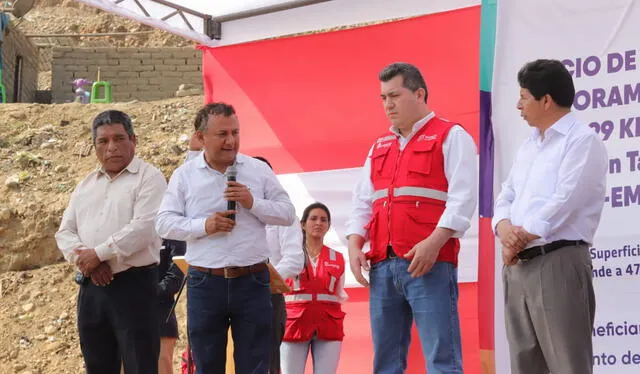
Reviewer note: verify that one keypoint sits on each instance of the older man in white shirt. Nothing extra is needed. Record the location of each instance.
(546, 216)
(228, 280)
(108, 232)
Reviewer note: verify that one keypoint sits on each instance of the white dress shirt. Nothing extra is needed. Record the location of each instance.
(285, 243)
(460, 170)
(195, 192)
(556, 186)
(115, 216)
(285, 249)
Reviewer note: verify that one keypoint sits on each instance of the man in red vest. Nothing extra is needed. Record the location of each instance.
(415, 199)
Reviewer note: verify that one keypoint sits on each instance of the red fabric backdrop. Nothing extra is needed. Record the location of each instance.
(300, 97)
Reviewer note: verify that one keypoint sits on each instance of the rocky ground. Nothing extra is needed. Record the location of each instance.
(45, 150)
(38, 318)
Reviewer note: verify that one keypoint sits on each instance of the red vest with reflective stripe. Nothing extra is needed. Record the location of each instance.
(410, 192)
(313, 304)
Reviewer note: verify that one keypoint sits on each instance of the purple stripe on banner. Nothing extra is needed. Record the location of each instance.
(486, 156)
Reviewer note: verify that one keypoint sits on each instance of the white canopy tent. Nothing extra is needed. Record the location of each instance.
(225, 22)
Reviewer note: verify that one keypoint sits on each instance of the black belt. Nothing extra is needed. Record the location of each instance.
(82, 280)
(390, 252)
(540, 250)
(135, 269)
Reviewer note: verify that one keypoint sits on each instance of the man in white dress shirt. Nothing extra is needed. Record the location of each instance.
(416, 197)
(287, 256)
(108, 232)
(546, 216)
(228, 280)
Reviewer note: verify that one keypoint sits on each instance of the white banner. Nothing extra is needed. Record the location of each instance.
(599, 41)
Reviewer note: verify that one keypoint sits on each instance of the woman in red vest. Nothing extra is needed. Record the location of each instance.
(314, 312)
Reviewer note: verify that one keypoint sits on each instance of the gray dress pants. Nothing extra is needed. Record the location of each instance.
(549, 312)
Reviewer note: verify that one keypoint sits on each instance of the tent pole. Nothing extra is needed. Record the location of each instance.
(267, 9)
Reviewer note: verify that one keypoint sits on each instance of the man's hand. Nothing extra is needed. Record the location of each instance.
(528, 237)
(102, 275)
(424, 256)
(240, 193)
(218, 222)
(512, 237)
(509, 256)
(87, 260)
(357, 259)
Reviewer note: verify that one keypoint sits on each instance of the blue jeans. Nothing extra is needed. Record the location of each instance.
(396, 300)
(215, 303)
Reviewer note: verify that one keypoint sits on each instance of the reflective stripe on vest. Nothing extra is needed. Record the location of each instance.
(411, 191)
(332, 284)
(299, 297)
(309, 297)
(325, 297)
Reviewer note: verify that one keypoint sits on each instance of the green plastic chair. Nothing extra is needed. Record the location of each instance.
(95, 90)
(3, 92)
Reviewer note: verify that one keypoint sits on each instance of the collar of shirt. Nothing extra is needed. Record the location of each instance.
(416, 127)
(133, 168)
(201, 162)
(562, 126)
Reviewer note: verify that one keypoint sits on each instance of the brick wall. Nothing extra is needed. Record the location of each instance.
(16, 44)
(135, 73)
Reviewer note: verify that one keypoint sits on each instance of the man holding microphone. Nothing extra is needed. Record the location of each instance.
(228, 279)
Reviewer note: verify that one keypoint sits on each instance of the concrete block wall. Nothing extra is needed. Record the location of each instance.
(45, 55)
(143, 74)
(17, 45)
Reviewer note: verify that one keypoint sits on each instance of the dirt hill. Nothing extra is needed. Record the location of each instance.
(72, 17)
(45, 150)
(38, 317)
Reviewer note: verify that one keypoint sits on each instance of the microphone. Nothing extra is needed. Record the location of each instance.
(231, 174)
